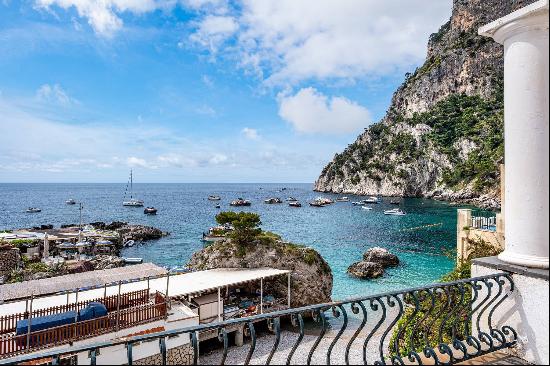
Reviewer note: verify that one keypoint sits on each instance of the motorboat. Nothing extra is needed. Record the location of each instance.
(395, 212)
(129, 243)
(132, 202)
(150, 211)
(214, 198)
(343, 199)
(134, 260)
(33, 210)
(291, 199)
(295, 204)
(317, 204)
(240, 202)
(273, 200)
(367, 208)
(70, 201)
(371, 199)
(357, 203)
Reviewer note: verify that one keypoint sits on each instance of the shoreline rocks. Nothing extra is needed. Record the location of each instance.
(375, 261)
(311, 281)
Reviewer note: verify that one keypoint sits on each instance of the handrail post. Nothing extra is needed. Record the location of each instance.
(118, 307)
(261, 295)
(166, 299)
(288, 291)
(29, 324)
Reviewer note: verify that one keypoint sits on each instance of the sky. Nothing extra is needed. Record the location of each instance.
(198, 90)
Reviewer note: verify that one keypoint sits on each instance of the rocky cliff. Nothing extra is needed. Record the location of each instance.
(442, 136)
(311, 281)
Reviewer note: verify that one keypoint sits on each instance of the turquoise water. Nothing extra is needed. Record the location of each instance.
(340, 232)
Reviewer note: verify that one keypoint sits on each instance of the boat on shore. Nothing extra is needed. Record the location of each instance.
(240, 202)
(132, 202)
(134, 260)
(395, 212)
(150, 211)
(214, 198)
(216, 233)
(33, 210)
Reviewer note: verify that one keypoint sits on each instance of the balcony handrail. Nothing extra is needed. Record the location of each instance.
(480, 306)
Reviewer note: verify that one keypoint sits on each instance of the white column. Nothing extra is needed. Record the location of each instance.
(524, 34)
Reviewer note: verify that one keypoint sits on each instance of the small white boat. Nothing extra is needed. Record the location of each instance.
(371, 199)
(133, 260)
(343, 199)
(150, 211)
(214, 198)
(357, 203)
(240, 202)
(129, 243)
(273, 200)
(366, 208)
(395, 212)
(291, 199)
(70, 201)
(132, 202)
(294, 204)
(33, 210)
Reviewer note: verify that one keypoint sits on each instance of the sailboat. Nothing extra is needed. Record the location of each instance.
(132, 202)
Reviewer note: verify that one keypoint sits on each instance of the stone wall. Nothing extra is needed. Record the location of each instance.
(182, 355)
(9, 258)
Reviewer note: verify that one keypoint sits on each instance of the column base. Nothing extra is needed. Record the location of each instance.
(524, 260)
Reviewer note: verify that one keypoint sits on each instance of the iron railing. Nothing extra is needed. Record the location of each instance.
(437, 324)
(483, 220)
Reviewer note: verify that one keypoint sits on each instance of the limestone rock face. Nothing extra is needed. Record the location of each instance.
(311, 279)
(366, 270)
(106, 262)
(410, 154)
(381, 256)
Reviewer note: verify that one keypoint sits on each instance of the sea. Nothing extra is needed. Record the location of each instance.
(340, 232)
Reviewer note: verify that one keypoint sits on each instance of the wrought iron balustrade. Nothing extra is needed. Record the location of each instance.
(437, 324)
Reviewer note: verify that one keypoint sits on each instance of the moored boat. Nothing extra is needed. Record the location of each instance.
(295, 204)
(70, 201)
(33, 210)
(367, 208)
(343, 199)
(371, 199)
(395, 212)
(132, 202)
(273, 200)
(214, 198)
(150, 211)
(240, 202)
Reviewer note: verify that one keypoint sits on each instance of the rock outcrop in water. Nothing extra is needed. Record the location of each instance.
(442, 136)
(311, 275)
(375, 260)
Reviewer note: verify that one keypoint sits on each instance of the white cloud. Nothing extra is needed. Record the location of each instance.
(250, 133)
(213, 30)
(217, 159)
(103, 15)
(54, 94)
(132, 161)
(310, 111)
(206, 110)
(291, 41)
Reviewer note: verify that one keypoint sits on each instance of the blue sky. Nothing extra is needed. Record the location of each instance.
(197, 90)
